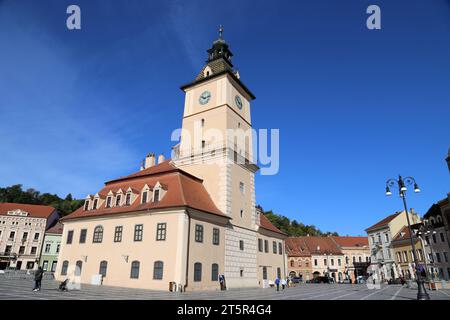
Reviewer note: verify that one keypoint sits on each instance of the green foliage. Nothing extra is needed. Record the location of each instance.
(294, 228)
(30, 196)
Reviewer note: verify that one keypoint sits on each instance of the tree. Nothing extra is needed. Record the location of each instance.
(294, 228)
(15, 194)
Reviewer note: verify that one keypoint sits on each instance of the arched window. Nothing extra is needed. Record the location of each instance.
(134, 270)
(158, 268)
(214, 272)
(292, 263)
(197, 272)
(78, 268)
(98, 234)
(203, 122)
(264, 273)
(103, 268)
(64, 268)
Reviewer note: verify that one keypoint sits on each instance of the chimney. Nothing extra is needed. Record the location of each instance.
(149, 161)
(161, 158)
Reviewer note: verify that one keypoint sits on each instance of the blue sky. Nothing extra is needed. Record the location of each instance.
(354, 106)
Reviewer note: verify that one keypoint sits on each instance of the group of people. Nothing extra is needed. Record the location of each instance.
(284, 283)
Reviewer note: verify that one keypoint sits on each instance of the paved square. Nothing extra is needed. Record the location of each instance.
(12, 289)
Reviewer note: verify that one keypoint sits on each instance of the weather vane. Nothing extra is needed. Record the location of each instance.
(220, 31)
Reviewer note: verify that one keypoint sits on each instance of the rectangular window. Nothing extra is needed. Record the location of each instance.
(12, 235)
(128, 199)
(83, 233)
(332, 262)
(161, 229)
(324, 262)
(445, 257)
(274, 247)
(387, 237)
(22, 250)
(144, 197)
(280, 248)
(198, 233)
(69, 237)
(24, 236)
(442, 237)
(156, 196)
(216, 236)
(57, 247)
(8, 250)
(108, 202)
(138, 230)
(118, 200)
(241, 187)
(266, 246)
(438, 257)
(94, 206)
(118, 234)
(260, 245)
(339, 262)
(86, 205)
(241, 244)
(45, 265)
(33, 250)
(197, 272)
(47, 247)
(36, 236)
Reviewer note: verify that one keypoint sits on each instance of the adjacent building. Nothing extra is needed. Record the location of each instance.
(182, 222)
(22, 228)
(356, 253)
(435, 234)
(403, 255)
(50, 247)
(380, 237)
(299, 259)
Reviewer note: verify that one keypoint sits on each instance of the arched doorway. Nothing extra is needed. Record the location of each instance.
(292, 274)
(316, 274)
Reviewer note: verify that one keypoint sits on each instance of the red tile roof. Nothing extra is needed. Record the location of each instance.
(383, 222)
(403, 234)
(266, 224)
(296, 247)
(56, 229)
(351, 241)
(182, 190)
(315, 245)
(35, 211)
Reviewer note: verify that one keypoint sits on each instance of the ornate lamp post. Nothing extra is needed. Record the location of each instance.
(401, 183)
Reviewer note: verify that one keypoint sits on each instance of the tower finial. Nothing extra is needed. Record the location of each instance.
(220, 31)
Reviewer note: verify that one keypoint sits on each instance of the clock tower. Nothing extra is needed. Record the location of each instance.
(216, 145)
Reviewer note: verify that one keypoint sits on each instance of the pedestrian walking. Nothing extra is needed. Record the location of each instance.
(283, 283)
(38, 279)
(277, 283)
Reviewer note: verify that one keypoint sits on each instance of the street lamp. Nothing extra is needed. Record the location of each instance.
(401, 183)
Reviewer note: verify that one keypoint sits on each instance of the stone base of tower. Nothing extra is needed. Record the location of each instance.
(240, 265)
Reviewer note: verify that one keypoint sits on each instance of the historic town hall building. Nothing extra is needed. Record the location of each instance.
(187, 220)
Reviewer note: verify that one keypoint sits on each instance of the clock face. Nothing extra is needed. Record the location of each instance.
(204, 97)
(238, 102)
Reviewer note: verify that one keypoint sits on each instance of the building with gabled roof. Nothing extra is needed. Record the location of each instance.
(380, 236)
(22, 228)
(182, 222)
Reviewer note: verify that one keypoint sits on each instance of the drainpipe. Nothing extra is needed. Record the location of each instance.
(187, 251)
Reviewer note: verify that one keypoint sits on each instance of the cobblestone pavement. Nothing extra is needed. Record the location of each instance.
(11, 289)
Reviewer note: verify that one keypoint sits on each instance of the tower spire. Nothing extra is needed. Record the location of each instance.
(220, 32)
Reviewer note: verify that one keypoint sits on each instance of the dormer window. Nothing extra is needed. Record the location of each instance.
(128, 199)
(144, 197)
(118, 200)
(156, 196)
(108, 202)
(86, 205)
(95, 204)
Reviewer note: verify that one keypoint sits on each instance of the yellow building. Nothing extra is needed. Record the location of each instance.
(188, 219)
(403, 254)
